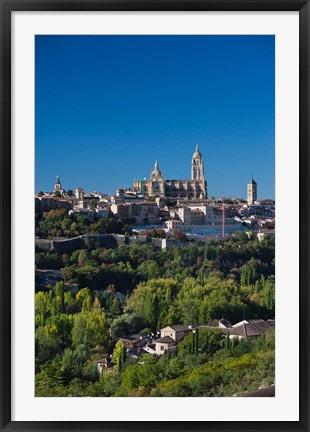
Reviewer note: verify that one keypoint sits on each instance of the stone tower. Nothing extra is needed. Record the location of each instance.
(197, 166)
(252, 191)
(79, 193)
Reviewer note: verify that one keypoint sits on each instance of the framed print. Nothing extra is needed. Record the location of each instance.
(154, 215)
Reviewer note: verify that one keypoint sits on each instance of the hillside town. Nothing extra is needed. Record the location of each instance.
(170, 205)
(156, 290)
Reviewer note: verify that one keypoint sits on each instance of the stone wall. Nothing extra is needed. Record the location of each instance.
(107, 241)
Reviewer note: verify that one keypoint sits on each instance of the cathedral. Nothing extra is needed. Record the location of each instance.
(156, 185)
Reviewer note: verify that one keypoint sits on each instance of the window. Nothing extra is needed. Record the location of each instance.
(162, 347)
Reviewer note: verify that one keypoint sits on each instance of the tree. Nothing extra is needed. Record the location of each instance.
(196, 341)
(269, 294)
(116, 352)
(59, 297)
(90, 329)
(121, 359)
(115, 307)
(126, 324)
(119, 356)
(43, 306)
(97, 304)
(192, 350)
(72, 363)
(82, 258)
(149, 269)
(85, 298)
(206, 342)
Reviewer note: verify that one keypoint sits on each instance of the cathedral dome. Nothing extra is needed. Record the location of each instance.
(156, 173)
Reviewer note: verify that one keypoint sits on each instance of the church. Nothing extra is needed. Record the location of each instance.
(156, 185)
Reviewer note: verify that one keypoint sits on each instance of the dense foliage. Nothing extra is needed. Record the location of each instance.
(58, 223)
(107, 293)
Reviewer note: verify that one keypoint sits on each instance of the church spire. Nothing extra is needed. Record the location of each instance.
(156, 173)
(57, 186)
(197, 165)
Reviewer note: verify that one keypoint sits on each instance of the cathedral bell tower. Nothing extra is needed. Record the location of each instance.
(197, 166)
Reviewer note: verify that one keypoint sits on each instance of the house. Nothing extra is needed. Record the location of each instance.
(102, 364)
(223, 323)
(169, 337)
(163, 344)
(150, 348)
(136, 352)
(174, 225)
(249, 328)
(133, 341)
(176, 331)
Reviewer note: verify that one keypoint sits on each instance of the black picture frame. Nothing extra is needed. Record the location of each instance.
(7, 7)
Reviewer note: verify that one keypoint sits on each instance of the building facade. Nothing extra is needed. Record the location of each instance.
(252, 191)
(156, 185)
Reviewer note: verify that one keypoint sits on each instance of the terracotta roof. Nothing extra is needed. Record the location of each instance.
(165, 339)
(179, 327)
(257, 327)
(251, 327)
(243, 328)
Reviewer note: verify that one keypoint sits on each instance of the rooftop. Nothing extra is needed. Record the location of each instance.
(251, 327)
(177, 327)
(165, 339)
(132, 337)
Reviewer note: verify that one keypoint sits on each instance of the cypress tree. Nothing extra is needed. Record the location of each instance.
(156, 312)
(193, 344)
(196, 341)
(119, 363)
(227, 342)
(232, 345)
(206, 342)
(262, 281)
(59, 297)
(121, 360)
(243, 276)
(123, 354)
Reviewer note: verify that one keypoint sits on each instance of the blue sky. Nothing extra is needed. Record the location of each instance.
(108, 106)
